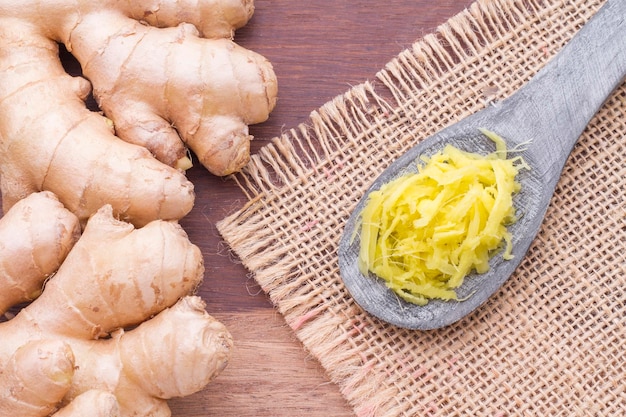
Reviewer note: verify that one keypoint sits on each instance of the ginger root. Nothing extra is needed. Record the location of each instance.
(94, 403)
(35, 237)
(118, 323)
(167, 76)
(116, 330)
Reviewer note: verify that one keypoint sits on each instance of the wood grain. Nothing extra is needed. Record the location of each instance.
(318, 49)
(270, 376)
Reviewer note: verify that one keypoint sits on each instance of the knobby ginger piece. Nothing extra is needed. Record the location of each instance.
(35, 237)
(35, 378)
(94, 403)
(50, 141)
(167, 76)
(118, 317)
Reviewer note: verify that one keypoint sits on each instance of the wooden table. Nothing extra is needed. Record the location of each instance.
(319, 49)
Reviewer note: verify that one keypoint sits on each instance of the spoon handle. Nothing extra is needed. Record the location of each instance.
(553, 109)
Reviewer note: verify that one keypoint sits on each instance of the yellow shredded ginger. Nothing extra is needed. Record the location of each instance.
(423, 232)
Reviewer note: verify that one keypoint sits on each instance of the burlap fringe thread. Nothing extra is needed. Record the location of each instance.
(551, 342)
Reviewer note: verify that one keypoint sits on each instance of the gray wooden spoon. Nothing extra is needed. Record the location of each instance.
(551, 111)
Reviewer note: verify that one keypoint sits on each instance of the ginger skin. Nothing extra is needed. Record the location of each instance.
(115, 277)
(35, 237)
(222, 86)
(35, 378)
(50, 141)
(215, 123)
(164, 88)
(95, 403)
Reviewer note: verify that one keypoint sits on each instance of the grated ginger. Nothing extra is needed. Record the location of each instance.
(423, 232)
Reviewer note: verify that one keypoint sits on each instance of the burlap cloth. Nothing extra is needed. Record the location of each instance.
(552, 341)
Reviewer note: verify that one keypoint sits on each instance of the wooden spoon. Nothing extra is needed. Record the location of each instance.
(545, 118)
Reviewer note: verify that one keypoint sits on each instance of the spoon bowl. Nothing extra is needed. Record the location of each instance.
(542, 121)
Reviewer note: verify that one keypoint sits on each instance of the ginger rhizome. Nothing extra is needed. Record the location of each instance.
(74, 338)
(50, 141)
(116, 329)
(167, 76)
(35, 237)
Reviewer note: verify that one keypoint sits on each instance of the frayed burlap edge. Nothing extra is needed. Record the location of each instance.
(551, 341)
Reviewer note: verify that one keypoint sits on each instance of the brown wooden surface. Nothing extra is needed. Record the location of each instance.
(319, 49)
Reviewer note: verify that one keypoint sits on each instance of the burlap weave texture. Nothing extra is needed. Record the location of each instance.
(552, 341)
